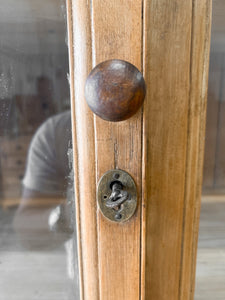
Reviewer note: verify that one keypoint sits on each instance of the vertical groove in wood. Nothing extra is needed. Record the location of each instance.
(106, 30)
(84, 144)
(173, 126)
(167, 61)
(201, 25)
(117, 29)
(174, 115)
(145, 57)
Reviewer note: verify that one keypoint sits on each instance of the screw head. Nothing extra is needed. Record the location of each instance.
(118, 216)
(116, 176)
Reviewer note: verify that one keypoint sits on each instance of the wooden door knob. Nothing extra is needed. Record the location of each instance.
(115, 90)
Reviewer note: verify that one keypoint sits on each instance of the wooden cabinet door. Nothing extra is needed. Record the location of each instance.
(152, 256)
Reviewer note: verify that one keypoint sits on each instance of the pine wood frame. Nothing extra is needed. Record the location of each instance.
(153, 255)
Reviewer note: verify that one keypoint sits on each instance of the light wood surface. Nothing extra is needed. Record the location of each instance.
(176, 64)
(152, 256)
(167, 70)
(118, 34)
(199, 64)
(80, 57)
(117, 145)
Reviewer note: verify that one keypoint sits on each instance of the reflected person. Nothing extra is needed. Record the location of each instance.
(44, 217)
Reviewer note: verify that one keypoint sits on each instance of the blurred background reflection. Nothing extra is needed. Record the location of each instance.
(37, 239)
(210, 276)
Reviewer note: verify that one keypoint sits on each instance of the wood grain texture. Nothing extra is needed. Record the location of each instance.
(117, 29)
(152, 256)
(200, 45)
(80, 55)
(175, 63)
(110, 252)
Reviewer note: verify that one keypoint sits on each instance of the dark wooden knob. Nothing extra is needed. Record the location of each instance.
(115, 90)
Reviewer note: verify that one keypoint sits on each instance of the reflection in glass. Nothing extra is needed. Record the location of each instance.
(214, 164)
(210, 276)
(37, 228)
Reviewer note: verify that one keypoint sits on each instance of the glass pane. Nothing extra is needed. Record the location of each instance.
(37, 230)
(210, 276)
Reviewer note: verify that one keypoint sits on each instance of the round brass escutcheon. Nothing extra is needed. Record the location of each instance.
(108, 196)
(115, 90)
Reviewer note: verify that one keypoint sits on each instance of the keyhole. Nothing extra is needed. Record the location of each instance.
(117, 195)
(116, 182)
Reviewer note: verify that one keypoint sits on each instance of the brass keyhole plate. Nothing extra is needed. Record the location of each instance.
(125, 211)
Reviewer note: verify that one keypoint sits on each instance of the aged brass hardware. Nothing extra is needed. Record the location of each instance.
(115, 90)
(117, 195)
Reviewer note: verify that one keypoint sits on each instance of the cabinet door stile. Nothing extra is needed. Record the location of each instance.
(117, 29)
(176, 55)
(80, 52)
